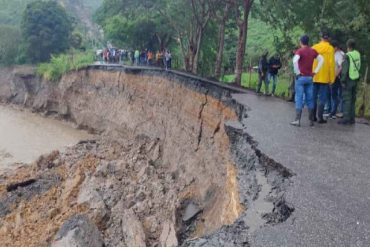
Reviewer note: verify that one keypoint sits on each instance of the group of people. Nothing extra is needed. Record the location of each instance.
(325, 77)
(162, 58)
(268, 71)
(111, 55)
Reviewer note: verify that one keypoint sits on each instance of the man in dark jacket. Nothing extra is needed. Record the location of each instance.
(350, 76)
(274, 66)
(262, 74)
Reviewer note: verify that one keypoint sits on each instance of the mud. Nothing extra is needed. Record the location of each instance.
(171, 164)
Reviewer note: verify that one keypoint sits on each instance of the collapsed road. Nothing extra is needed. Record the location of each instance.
(180, 161)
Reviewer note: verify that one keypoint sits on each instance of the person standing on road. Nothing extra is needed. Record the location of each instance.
(324, 77)
(262, 74)
(336, 87)
(159, 58)
(349, 78)
(168, 58)
(150, 57)
(137, 57)
(303, 66)
(274, 66)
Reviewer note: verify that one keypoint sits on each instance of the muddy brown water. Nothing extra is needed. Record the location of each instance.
(24, 136)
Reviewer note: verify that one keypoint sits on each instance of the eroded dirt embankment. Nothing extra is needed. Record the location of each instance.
(171, 165)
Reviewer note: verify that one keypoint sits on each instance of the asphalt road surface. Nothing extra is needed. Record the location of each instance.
(331, 187)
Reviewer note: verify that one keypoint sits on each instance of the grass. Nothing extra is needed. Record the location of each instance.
(363, 109)
(62, 64)
(250, 81)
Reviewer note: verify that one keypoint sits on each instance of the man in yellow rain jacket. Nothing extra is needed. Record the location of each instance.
(324, 77)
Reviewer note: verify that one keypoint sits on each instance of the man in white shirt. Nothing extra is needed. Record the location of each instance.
(336, 88)
(304, 70)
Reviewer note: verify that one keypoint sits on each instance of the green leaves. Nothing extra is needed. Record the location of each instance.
(9, 40)
(46, 30)
(61, 64)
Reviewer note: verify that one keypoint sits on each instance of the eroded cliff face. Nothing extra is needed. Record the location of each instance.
(170, 163)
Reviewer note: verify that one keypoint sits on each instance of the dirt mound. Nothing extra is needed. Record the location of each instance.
(171, 165)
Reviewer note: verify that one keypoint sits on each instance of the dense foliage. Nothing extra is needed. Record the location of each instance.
(61, 64)
(342, 18)
(11, 11)
(13, 48)
(9, 40)
(46, 30)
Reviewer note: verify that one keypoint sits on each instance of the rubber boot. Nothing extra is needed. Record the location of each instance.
(311, 117)
(320, 113)
(297, 121)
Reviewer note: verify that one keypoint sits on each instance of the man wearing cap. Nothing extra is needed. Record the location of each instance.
(324, 78)
(303, 68)
(349, 79)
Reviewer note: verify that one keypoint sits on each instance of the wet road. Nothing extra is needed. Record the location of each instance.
(331, 189)
(25, 136)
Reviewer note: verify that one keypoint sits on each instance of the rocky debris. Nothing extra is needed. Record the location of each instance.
(235, 235)
(132, 229)
(26, 190)
(12, 187)
(167, 169)
(78, 231)
(168, 237)
(191, 211)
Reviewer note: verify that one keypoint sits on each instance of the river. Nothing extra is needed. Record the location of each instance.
(24, 136)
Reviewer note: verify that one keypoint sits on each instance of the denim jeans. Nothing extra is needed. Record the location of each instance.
(304, 92)
(335, 100)
(320, 92)
(263, 78)
(274, 79)
(329, 101)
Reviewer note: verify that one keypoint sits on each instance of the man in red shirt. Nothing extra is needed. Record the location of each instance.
(303, 68)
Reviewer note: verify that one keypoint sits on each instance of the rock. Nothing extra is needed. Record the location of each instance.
(78, 231)
(132, 229)
(191, 211)
(140, 196)
(53, 212)
(89, 195)
(168, 237)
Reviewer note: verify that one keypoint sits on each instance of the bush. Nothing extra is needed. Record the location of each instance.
(62, 64)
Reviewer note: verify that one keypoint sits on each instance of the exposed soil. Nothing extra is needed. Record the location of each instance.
(171, 165)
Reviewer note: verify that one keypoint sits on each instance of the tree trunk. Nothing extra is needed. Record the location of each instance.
(243, 28)
(221, 41)
(196, 54)
(220, 52)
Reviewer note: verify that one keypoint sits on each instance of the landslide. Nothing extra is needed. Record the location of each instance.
(170, 165)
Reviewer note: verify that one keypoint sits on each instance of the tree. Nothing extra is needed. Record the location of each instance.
(242, 9)
(221, 17)
(342, 18)
(46, 30)
(9, 40)
(134, 24)
(188, 19)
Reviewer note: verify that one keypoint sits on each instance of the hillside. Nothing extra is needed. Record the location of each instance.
(82, 10)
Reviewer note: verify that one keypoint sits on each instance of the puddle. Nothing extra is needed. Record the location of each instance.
(254, 215)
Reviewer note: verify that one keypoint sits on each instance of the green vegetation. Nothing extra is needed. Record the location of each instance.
(11, 11)
(9, 40)
(46, 30)
(16, 48)
(250, 81)
(62, 64)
